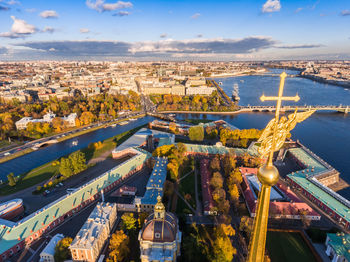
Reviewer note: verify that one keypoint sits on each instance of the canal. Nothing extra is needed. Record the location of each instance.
(25, 163)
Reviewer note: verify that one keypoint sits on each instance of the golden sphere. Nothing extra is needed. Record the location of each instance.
(268, 175)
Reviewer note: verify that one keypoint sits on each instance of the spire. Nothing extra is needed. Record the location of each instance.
(159, 208)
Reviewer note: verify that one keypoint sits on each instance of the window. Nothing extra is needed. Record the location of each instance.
(18, 247)
(157, 235)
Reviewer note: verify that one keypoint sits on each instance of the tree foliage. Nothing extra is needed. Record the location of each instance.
(196, 133)
(74, 164)
(118, 247)
(129, 221)
(217, 181)
(11, 179)
(62, 251)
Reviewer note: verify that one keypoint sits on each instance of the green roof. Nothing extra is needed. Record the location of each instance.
(340, 243)
(56, 209)
(221, 150)
(321, 194)
(308, 160)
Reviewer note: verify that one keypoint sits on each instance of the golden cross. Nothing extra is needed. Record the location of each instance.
(279, 100)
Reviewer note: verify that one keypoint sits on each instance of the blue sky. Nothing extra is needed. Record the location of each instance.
(207, 30)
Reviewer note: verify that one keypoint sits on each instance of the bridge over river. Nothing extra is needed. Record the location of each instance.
(340, 108)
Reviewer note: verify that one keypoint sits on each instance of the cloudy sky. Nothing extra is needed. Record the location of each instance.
(174, 30)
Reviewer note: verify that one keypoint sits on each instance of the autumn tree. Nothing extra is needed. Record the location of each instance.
(215, 164)
(62, 251)
(234, 194)
(78, 161)
(129, 221)
(196, 133)
(235, 177)
(118, 247)
(87, 118)
(246, 225)
(223, 249)
(66, 168)
(11, 179)
(216, 181)
(141, 219)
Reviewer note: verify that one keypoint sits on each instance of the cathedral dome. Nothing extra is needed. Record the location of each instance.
(161, 226)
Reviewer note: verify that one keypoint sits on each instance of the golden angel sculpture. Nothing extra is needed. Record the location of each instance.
(284, 127)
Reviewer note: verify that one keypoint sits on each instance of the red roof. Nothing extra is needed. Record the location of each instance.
(284, 208)
(206, 191)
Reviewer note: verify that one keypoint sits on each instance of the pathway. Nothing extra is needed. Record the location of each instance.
(189, 206)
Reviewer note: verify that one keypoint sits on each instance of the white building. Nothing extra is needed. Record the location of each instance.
(160, 238)
(47, 255)
(200, 90)
(23, 122)
(70, 119)
(90, 239)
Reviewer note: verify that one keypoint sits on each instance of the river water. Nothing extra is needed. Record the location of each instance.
(25, 163)
(325, 133)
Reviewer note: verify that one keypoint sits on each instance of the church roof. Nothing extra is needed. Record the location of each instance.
(159, 229)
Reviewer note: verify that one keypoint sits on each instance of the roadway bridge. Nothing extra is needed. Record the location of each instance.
(340, 108)
(48, 142)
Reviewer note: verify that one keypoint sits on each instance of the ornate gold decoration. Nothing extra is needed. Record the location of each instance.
(284, 127)
(271, 140)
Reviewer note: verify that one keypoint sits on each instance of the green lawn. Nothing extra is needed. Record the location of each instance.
(32, 178)
(197, 121)
(288, 246)
(187, 187)
(46, 171)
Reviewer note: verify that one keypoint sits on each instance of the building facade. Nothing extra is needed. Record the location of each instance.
(160, 237)
(90, 239)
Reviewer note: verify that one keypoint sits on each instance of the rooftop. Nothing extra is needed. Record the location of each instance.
(94, 225)
(340, 243)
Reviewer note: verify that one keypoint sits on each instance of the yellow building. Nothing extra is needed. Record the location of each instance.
(90, 239)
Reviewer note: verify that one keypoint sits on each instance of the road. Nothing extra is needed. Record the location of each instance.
(70, 132)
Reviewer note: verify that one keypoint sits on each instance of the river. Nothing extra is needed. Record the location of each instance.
(25, 163)
(325, 133)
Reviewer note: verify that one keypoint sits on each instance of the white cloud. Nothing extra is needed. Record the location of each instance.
(196, 15)
(84, 30)
(271, 6)
(48, 29)
(345, 13)
(49, 14)
(20, 28)
(122, 13)
(52, 49)
(101, 6)
(13, 2)
(298, 9)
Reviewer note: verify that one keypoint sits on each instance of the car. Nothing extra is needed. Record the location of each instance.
(47, 191)
(60, 183)
(7, 154)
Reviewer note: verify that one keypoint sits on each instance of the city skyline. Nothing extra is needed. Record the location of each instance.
(173, 30)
